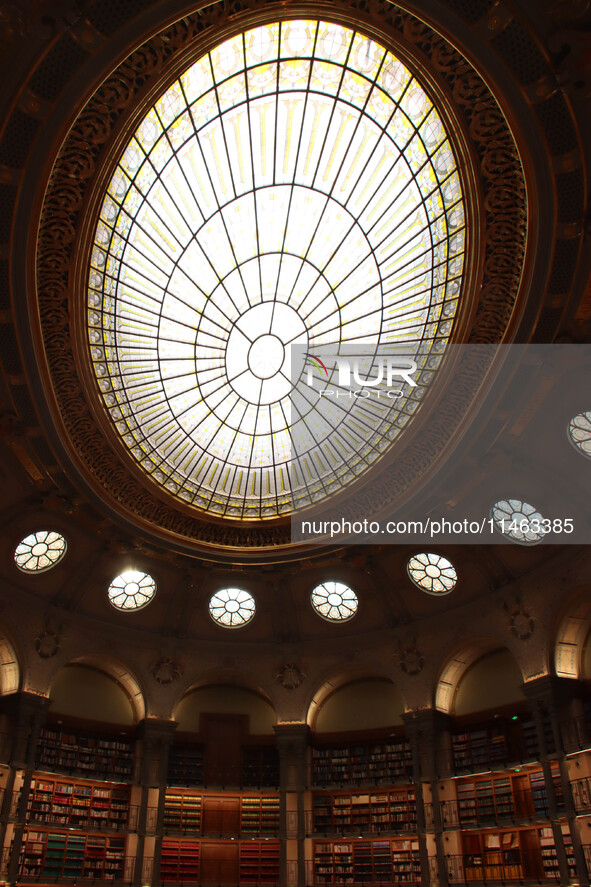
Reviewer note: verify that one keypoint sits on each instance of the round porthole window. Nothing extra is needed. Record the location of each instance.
(518, 521)
(132, 590)
(334, 601)
(39, 551)
(432, 573)
(232, 607)
(579, 432)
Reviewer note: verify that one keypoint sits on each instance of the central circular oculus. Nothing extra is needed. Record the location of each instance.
(266, 356)
(295, 185)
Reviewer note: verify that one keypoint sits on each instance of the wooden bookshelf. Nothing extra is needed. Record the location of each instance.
(506, 739)
(371, 862)
(259, 862)
(550, 865)
(524, 854)
(368, 763)
(492, 799)
(384, 811)
(260, 766)
(179, 860)
(189, 812)
(98, 756)
(182, 811)
(86, 805)
(259, 814)
(185, 765)
(51, 856)
(493, 856)
(244, 862)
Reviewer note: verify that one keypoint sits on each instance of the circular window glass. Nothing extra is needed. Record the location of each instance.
(39, 551)
(295, 186)
(232, 607)
(132, 590)
(334, 601)
(579, 432)
(518, 520)
(432, 573)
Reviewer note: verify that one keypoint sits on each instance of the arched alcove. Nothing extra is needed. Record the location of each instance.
(371, 703)
(9, 667)
(492, 681)
(571, 657)
(84, 691)
(225, 699)
(494, 672)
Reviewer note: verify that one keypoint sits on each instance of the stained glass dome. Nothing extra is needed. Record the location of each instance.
(294, 186)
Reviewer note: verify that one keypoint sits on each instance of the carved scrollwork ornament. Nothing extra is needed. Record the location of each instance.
(74, 185)
(290, 677)
(411, 660)
(166, 670)
(47, 644)
(522, 624)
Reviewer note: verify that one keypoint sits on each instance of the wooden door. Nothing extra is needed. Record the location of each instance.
(220, 816)
(219, 862)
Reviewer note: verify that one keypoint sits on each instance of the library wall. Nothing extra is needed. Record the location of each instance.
(359, 705)
(493, 680)
(87, 693)
(225, 699)
(586, 670)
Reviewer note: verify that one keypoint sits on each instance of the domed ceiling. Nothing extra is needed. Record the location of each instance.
(193, 208)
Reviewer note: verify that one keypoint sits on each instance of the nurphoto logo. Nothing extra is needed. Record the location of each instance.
(350, 379)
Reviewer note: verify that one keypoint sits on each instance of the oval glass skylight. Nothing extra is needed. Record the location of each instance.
(232, 607)
(334, 601)
(432, 573)
(295, 186)
(518, 521)
(579, 432)
(132, 590)
(39, 551)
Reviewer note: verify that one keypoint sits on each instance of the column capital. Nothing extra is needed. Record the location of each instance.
(23, 704)
(292, 736)
(156, 729)
(550, 688)
(426, 720)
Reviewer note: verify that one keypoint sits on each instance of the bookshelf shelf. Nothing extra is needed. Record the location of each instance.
(185, 765)
(250, 814)
(50, 856)
(492, 800)
(86, 754)
(86, 805)
(369, 862)
(368, 763)
(254, 862)
(260, 766)
(383, 811)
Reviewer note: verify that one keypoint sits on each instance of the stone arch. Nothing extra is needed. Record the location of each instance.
(571, 636)
(457, 664)
(120, 674)
(10, 671)
(228, 680)
(338, 681)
